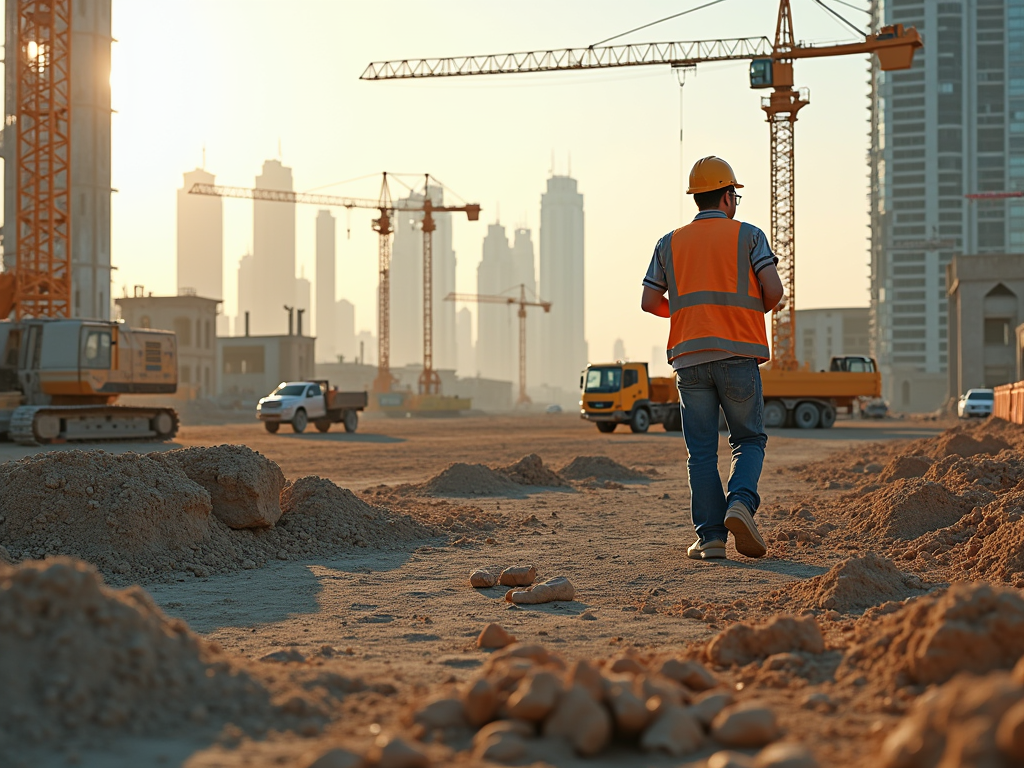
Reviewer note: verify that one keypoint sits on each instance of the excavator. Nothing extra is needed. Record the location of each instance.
(60, 378)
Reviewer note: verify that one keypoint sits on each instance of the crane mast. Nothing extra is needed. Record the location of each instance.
(483, 298)
(771, 67)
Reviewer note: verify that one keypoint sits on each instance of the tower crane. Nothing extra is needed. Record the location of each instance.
(429, 381)
(483, 298)
(771, 66)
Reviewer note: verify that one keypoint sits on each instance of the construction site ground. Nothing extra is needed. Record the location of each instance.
(404, 620)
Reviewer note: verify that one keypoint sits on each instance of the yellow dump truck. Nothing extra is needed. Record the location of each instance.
(624, 393)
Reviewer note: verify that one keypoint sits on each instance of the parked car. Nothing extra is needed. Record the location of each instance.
(873, 408)
(553, 408)
(975, 402)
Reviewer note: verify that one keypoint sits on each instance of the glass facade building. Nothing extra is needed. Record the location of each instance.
(951, 125)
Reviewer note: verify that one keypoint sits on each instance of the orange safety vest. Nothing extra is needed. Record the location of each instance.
(714, 297)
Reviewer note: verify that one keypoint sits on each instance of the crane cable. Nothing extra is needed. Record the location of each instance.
(659, 21)
(839, 16)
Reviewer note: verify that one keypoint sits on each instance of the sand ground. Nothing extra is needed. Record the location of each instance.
(408, 615)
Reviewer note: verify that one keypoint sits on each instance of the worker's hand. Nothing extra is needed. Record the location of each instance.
(782, 303)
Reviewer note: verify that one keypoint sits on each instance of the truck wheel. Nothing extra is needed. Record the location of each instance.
(606, 426)
(828, 417)
(674, 422)
(322, 425)
(640, 421)
(351, 421)
(272, 426)
(807, 415)
(774, 414)
(299, 421)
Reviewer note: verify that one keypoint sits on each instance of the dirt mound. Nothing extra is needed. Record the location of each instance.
(76, 656)
(902, 467)
(470, 480)
(961, 475)
(244, 486)
(530, 470)
(968, 628)
(909, 508)
(598, 468)
(970, 722)
(122, 512)
(317, 514)
(853, 585)
(957, 442)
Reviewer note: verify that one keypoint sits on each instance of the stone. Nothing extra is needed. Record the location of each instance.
(707, 707)
(1010, 733)
(669, 691)
(502, 747)
(628, 710)
(743, 643)
(676, 731)
(244, 486)
(627, 664)
(584, 674)
(745, 726)
(395, 752)
(480, 701)
(337, 758)
(581, 721)
(729, 759)
(556, 589)
(482, 579)
(692, 674)
(535, 697)
(441, 713)
(493, 636)
(785, 755)
(518, 576)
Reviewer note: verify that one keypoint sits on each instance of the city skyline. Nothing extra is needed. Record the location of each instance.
(619, 130)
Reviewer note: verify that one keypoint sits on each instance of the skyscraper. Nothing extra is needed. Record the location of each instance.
(200, 239)
(952, 124)
(326, 327)
(563, 351)
(90, 156)
(345, 331)
(496, 330)
(303, 300)
(273, 253)
(525, 273)
(464, 333)
(407, 286)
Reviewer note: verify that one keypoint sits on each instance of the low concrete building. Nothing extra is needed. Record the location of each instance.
(194, 321)
(251, 366)
(825, 333)
(986, 304)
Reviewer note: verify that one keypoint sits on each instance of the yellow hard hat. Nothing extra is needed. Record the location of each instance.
(711, 173)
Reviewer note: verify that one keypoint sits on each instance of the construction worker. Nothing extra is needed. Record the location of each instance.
(721, 279)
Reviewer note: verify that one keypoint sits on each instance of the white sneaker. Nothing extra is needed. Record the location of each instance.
(740, 522)
(712, 549)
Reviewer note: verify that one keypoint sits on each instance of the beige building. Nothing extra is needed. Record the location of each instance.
(194, 321)
(250, 367)
(825, 333)
(986, 304)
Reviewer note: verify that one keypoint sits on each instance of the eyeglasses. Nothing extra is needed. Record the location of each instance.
(737, 198)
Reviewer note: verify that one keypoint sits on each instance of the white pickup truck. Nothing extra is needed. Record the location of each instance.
(300, 402)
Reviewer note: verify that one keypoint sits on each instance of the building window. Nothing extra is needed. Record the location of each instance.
(145, 322)
(183, 330)
(997, 332)
(248, 359)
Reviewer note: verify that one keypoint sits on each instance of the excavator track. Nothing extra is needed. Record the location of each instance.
(53, 424)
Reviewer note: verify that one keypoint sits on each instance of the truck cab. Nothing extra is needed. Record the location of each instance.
(624, 393)
(292, 402)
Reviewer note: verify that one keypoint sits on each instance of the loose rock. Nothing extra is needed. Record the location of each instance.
(557, 589)
(745, 725)
(518, 576)
(494, 636)
(482, 579)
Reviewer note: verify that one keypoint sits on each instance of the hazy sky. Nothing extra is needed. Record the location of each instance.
(241, 77)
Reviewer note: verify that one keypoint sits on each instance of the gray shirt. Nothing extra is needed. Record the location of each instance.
(760, 257)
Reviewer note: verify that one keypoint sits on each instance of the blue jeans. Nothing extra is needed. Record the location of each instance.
(734, 385)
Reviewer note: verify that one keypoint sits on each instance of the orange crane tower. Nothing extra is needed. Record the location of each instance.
(484, 298)
(771, 67)
(430, 381)
(40, 283)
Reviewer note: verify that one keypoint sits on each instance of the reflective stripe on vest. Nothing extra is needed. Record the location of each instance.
(720, 313)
